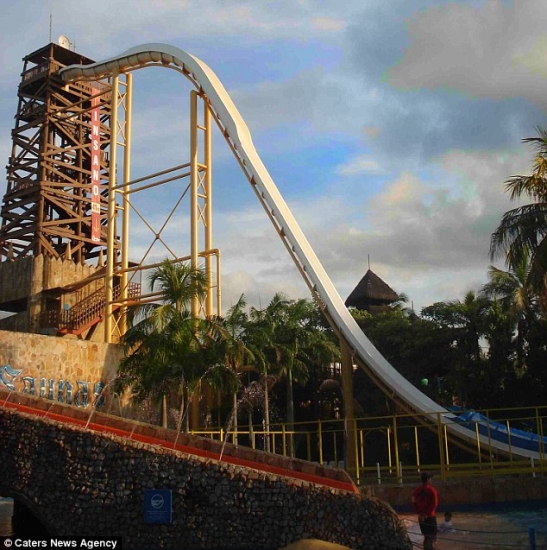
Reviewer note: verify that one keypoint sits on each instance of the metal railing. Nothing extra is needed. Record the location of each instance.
(395, 449)
(91, 307)
(85, 311)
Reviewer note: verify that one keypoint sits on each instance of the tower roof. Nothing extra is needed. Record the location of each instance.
(371, 291)
(60, 54)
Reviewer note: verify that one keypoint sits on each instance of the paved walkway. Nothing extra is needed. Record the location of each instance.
(6, 510)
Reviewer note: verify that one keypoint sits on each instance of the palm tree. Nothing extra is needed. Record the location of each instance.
(523, 231)
(466, 319)
(233, 351)
(470, 317)
(163, 341)
(514, 291)
(466, 323)
(290, 338)
(261, 335)
(304, 342)
(294, 336)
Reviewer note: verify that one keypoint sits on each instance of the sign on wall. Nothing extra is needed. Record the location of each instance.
(62, 391)
(158, 506)
(95, 169)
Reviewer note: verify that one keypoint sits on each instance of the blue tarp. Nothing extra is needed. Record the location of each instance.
(498, 431)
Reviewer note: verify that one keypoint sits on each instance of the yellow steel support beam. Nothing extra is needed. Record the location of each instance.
(347, 392)
(208, 221)
(126, 188)
(110, 255)
(440, 435)
(201, 214)
(194, 176)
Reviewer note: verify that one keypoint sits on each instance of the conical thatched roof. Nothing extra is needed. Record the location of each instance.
(371, 291)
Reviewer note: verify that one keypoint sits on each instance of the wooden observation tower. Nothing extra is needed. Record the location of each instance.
(54, 213)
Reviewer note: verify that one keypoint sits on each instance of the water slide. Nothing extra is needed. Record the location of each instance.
(364, 353)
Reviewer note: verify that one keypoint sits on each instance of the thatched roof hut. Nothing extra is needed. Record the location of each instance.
(371, 294)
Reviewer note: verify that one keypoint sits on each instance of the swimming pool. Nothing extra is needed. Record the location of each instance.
(492, 528)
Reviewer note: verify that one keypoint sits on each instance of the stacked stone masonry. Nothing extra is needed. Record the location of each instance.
(26, 278)
(58, 359)
(80, 482)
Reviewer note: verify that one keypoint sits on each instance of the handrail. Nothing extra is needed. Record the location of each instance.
(92, 306)
(85, 311)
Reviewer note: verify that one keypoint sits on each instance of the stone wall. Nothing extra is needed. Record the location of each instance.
(25, 279)
(57, 359)
(60, 273)
(15, 278)
(81, 482)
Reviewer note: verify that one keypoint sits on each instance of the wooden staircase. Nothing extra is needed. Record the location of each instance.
(83, 316)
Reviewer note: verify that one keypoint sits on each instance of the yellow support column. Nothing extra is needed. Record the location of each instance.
(126, 188)
(347, 393)
(441, 453)
(110, 255)
(194, 233)
(194, 177)
(208, 198)
(201, 211)
(396, 445)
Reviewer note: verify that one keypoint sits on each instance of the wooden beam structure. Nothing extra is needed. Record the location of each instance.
(47, 208)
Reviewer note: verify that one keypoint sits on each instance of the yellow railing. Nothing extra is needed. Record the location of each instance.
(395, 449)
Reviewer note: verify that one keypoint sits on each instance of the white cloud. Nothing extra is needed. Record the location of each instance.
(485, 50)
(413, 133)
(272, 104)
(417, 233)
(360, 165)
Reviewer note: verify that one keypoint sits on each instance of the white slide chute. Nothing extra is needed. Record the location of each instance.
(237, 134)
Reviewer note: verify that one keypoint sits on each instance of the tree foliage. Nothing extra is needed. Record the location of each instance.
(169, 351)
(522, 232)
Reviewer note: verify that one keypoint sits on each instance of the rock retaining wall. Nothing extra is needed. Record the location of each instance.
(81, 482)
(57, 359)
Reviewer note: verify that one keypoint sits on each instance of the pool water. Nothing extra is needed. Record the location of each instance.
(489, 528)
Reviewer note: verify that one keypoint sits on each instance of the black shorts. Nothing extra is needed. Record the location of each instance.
(428, 526)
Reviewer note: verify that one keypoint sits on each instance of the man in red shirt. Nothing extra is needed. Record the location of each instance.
(425, 501)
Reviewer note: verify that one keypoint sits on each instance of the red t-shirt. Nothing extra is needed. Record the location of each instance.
(425, 500)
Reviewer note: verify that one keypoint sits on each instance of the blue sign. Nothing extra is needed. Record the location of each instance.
(158, 506)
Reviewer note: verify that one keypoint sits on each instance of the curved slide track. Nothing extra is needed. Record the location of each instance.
(239, 138)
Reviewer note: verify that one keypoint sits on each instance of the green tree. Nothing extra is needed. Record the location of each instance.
(466, 318)
(498, 369)
(468, 322)
(235, 354)
(419, 348)
(527, 377)
(262, 338)
(165, 342)
(289, 338)
(517, 296)
(522, 231)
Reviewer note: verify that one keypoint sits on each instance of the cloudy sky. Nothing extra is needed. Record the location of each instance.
(388, 126)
